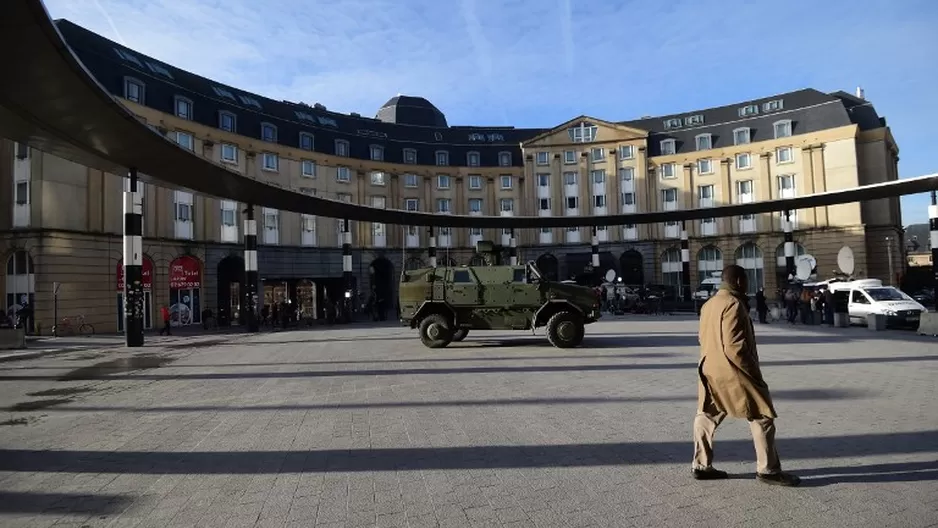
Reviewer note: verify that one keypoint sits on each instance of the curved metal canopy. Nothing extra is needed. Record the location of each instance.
(49, 100)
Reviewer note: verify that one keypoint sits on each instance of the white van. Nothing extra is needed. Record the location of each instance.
(869, 296)
(708, 288)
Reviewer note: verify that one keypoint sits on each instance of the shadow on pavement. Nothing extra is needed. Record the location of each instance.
(62, 503)
(447, 458)
(780, 395)
(897, 472)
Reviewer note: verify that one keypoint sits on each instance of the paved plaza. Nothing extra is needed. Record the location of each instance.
(363, 426)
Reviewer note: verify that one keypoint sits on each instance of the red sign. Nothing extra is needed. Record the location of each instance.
(185, 272)
(147, 274)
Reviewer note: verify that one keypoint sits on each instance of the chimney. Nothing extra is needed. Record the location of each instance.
(860, 93)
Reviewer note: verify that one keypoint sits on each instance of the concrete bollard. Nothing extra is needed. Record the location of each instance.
(876, 322)
(928, 324)
(841, 320)
(12, 338)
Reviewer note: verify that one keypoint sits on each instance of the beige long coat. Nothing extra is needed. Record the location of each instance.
(730, 377)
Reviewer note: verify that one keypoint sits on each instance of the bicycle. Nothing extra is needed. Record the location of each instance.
(67, 326)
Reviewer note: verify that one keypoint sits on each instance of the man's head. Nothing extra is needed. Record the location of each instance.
(735, 277)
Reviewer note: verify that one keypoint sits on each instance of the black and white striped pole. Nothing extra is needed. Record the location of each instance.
(933, 225)
(789, 247)
(431, 251)
(513, 249)
(251, 278)
(685, 262)
(133, 263)
(595, 251)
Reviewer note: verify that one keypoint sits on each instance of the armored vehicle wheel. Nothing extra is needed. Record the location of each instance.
(460, 334)
(565, 330)
(435, 331)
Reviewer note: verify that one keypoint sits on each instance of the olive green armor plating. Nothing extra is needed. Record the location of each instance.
(444, 303)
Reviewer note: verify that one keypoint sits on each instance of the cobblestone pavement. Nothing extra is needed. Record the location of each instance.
(366, 427)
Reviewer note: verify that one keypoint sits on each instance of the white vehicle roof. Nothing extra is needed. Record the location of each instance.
(857, 284)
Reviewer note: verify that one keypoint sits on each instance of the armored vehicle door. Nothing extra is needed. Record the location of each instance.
(525, 292)
(464, 289)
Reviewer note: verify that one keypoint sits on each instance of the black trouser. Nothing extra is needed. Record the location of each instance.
(165, 328)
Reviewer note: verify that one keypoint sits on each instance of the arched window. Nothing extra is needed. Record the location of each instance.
(709, 260)
(20, 281)
(749, 256)
(671, 269)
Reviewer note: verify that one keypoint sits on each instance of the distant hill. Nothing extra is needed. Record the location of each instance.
(918, 233)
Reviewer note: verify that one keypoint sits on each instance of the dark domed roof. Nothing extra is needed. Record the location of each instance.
(408, 110)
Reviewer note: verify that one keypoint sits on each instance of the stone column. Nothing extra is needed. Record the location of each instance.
(133, 263)
(685, 261)
(251, 278)
(789, 247)
(431, 250)
(512, 249)
(933, 224)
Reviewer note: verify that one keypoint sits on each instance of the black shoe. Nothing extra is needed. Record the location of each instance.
(779, 479)
(709, 474)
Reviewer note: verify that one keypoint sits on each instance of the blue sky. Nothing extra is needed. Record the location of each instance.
(538, 63)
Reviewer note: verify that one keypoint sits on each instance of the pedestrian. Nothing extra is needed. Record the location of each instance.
(731, 383)
(164, 314)
(762, 307)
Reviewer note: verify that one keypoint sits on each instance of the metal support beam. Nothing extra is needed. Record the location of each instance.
(685, 262)
(789, 247)
(431, 250)
(133, 263)
(933, 225)
(251, 278)
(513, 249)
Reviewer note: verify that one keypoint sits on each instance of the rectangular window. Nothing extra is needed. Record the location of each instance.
(544, 204)
(626, 151)
(741, 136)
(475, 182)
(704, 142)
(308, 169)
(410, 156)
(543, 180)
(341, 148)
(377, 153)
(442, 158)
(506, 205)
(343, 174)
(183, 108)
(268, 133)
(228, 214)
(668, 171)
(504, 159)
(705, 195)
(411, 204)
(472, 159)
(133, 90)
(411, 181)
(378, 178)
(227, 122)
(667, 147)
(542, 158)
(772, 106)
(783, 155)
(748, 110)
(569, 178)
(705, 166)
(185, 140)
(572, 202)
(475, 205)
(782, 129)
(694, 120)
(669, 198)
(626, 174)
(628, 198)
(597, 154)
(744, 191)
(599, 200)
(22, 193)
(183, 212)
(506, 181)
(270, 162)
(443, 205)
(307, 141)
(229, 153)
(569, 157)
(442, 181)
(598, 176)
(743, 161)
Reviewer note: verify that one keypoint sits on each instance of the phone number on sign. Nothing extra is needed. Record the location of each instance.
(184, 285)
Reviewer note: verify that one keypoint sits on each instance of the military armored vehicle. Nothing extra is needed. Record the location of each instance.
(445, 303)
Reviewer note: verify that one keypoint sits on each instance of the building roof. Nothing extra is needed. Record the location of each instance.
(409, 110)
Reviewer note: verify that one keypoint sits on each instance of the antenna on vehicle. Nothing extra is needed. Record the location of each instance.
(845, 261)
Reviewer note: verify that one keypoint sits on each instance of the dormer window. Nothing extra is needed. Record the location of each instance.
(472, 159)
(748, 110)
(133, 90)
(341, 148)
(694, 120)
(442, 158)
(410, 156)
(671, 124)
(504, 159)
(582, 133)
(704, 142)
(668, 147)
(129, 57)
(741, 136)
(249, 101)
(377, 153)
(268, 132)
(782, 128)
(307, 141)
(227, 121)
(221, 92)
(772, 106)
(159, 69)
(183, 108)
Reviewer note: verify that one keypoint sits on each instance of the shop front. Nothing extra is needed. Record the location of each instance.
(147, 294)
(185, 291)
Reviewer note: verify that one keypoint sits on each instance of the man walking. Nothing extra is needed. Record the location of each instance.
(731, 384)
(164, 315)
